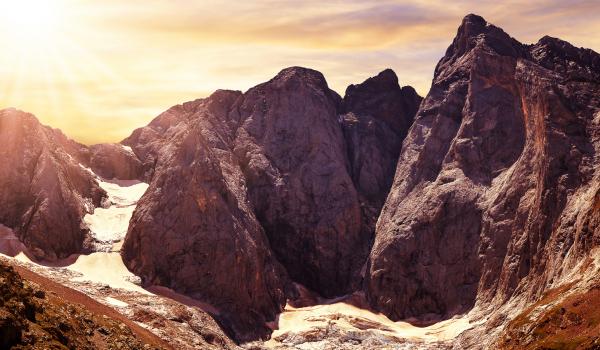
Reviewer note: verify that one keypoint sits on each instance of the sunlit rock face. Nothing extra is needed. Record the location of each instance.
(44, 192)
(251, 191)
(488, 197)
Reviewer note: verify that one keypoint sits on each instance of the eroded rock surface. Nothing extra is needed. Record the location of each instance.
(44, 192)
(33, 318)
(115, 161)
(251, 191)
(495, 191)
(376, 117)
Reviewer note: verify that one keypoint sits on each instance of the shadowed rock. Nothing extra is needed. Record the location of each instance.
(377, 116)
(114, 161)
(255, 190)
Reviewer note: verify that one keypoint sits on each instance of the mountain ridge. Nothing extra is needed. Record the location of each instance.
(477, 198)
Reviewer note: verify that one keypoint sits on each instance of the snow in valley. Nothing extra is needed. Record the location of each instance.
(103, 276)
(109, 224)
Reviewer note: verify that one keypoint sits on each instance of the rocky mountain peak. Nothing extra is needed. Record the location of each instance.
(483, 205)
(558, 55)
(384, 81)
(382, 97)
(474, 32)
(299, 75)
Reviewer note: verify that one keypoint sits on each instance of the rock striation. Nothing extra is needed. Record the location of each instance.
(495, 192)
(44, 192)
(376, 117)
(251, 191)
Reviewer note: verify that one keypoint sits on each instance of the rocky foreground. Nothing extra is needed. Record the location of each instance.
(476, 206)
(33, 316)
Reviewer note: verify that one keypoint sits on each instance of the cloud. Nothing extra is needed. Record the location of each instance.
(120, 63)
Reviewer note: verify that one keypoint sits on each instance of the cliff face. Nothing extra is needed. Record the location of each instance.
(194, 231)
(494, 193)
(376, 117)
(257, 190)
(44, 192)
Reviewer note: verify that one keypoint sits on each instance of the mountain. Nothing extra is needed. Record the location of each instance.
(251, 192)
(283, 183)
(45, 192)
(479, 201)
(494, 200)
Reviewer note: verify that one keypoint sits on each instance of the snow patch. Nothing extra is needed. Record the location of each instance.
(127, 149)
(105, 268)
(110, 224)
(116, 302)
(350, 314)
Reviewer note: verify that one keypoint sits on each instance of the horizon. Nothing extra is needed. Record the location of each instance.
(97, 70)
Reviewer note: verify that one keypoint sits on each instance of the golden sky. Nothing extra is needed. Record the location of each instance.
(97, 69)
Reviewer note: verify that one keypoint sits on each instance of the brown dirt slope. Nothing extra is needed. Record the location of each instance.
(573, 323)
(36, 313)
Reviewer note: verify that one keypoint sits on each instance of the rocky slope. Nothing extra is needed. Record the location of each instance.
(265, 184)
(31, 318)
(495, 194)
(44, 193)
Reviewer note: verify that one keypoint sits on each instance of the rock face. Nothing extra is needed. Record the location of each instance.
(44, 192)
(495, 193)
(251, 191)
(292, 152)
(377, 116)
(193, 230)
(115, 161)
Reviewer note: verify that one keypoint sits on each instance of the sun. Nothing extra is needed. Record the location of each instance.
(29, 21)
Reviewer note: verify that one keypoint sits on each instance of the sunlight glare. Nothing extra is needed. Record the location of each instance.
(29, 21)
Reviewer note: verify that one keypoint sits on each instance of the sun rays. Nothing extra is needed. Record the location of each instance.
(44, 69)
(99, 68)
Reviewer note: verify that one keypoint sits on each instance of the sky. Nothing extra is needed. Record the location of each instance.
(98, 69)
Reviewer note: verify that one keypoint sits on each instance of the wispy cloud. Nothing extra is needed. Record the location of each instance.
(119, 63)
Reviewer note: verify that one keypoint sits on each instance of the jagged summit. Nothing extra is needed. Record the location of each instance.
(574, 62)
(299, 75)
(386, 80)
(476, 32)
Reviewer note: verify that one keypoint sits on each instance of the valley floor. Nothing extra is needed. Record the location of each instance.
(348, 323)
(101, 282)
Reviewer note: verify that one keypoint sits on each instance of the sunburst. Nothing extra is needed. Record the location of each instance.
(43, 69)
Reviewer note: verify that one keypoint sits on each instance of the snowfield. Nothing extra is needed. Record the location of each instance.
(109, 224)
